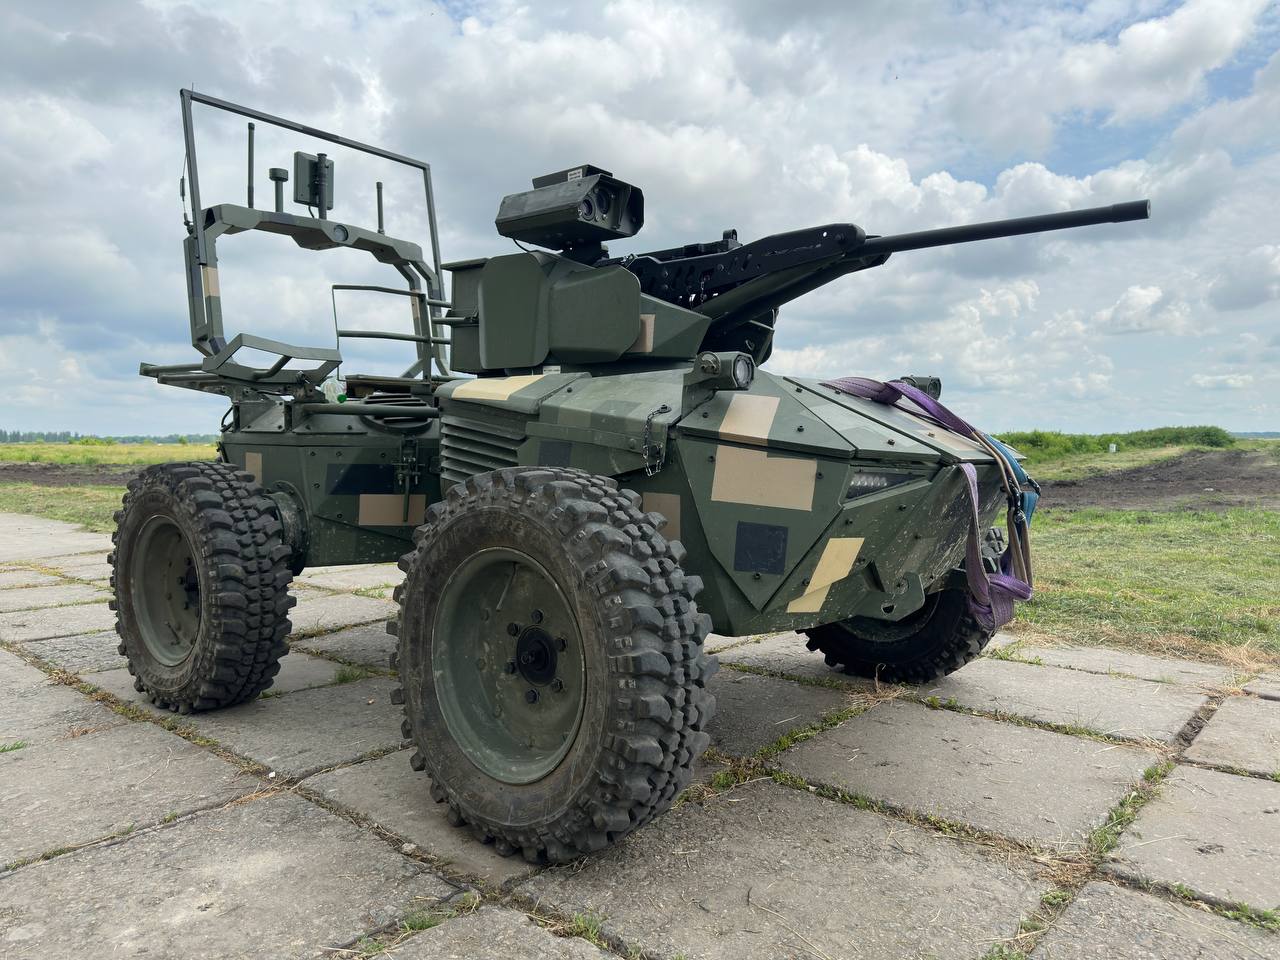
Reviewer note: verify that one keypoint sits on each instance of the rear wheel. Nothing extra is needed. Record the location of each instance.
(201, 581)
(940, 637)
(554, 679)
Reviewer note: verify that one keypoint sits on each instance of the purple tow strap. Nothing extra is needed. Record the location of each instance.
(991, 596)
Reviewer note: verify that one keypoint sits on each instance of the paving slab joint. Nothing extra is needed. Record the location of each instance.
(133, 830)
(907, 693)
(442, 867)
(591, 926)
(1262, 919)
(313, 632)
(416, 917)
(137, 714)
(1191, 729)
(300, 643)
(952, 829)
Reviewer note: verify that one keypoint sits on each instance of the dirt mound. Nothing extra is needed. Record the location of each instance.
(67, 474)
(1199, 480)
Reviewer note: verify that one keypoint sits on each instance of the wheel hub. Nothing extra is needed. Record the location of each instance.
(508, 665)
(536, 656)
(166, 590)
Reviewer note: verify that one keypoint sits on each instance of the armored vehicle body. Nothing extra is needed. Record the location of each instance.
(582, 470)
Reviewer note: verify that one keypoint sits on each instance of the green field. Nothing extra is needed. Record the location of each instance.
(91, 505)
(89, 454)
(1189, 583)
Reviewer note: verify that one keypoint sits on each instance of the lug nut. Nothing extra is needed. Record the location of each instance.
(511, 666)
(513, 629)
(557, 684)
(536, 616)
(531, 696)
(562, 643)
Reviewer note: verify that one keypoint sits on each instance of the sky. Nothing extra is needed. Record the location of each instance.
(751, 114)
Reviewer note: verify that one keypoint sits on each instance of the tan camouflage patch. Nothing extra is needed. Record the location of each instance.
(749, 418)
(835, 564)
(493, 388)
(753, 477)
(209, 276)
(387, 509)
(644, 342)
(253, 464)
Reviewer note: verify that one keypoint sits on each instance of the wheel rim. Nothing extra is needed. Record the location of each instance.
(508, 665)
(166, 591)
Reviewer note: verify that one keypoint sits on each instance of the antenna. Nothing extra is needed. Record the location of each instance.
(250, 166)
(279, 176)
(378, 185)
(320, 172)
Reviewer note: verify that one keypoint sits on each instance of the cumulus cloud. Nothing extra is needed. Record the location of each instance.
(1251, 280)
(1144, 70)
(1145, 310)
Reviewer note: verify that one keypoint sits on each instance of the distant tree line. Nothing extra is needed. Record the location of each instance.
(68, 436)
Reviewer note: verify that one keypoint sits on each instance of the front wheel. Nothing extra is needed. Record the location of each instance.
(940, 637)
(201, 580)
(554, 678)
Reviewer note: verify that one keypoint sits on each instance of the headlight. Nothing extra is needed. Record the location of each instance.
(864, 483)
(726, 371)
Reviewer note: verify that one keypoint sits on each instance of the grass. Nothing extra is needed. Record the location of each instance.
(10, 747)
(94, 506)
(1197, 584)
(124, 454)
(350, 673)
(1040, 446)
(1080, 466)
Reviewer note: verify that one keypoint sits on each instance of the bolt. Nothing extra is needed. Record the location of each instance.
(536, 616)
(557, 684)
(755, 576)
(561, 642)
(513, 629)
(510, 667)
(891, 441)
(531, 696)
(800, 429)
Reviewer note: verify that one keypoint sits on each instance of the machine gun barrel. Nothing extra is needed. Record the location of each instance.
(1115, 213)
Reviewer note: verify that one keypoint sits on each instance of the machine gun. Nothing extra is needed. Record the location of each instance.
(741, 286)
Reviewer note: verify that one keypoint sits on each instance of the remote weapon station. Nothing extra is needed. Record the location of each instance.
(582, 470)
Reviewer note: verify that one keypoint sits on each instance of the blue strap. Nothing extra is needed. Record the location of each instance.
(1030, 490)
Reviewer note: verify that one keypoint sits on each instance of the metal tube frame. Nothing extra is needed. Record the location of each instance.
(435, 284)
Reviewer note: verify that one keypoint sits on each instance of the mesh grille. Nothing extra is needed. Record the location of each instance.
(468, 447)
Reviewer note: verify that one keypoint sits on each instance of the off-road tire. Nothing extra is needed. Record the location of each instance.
(646, 706)
(242, 565)
(938, 639)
